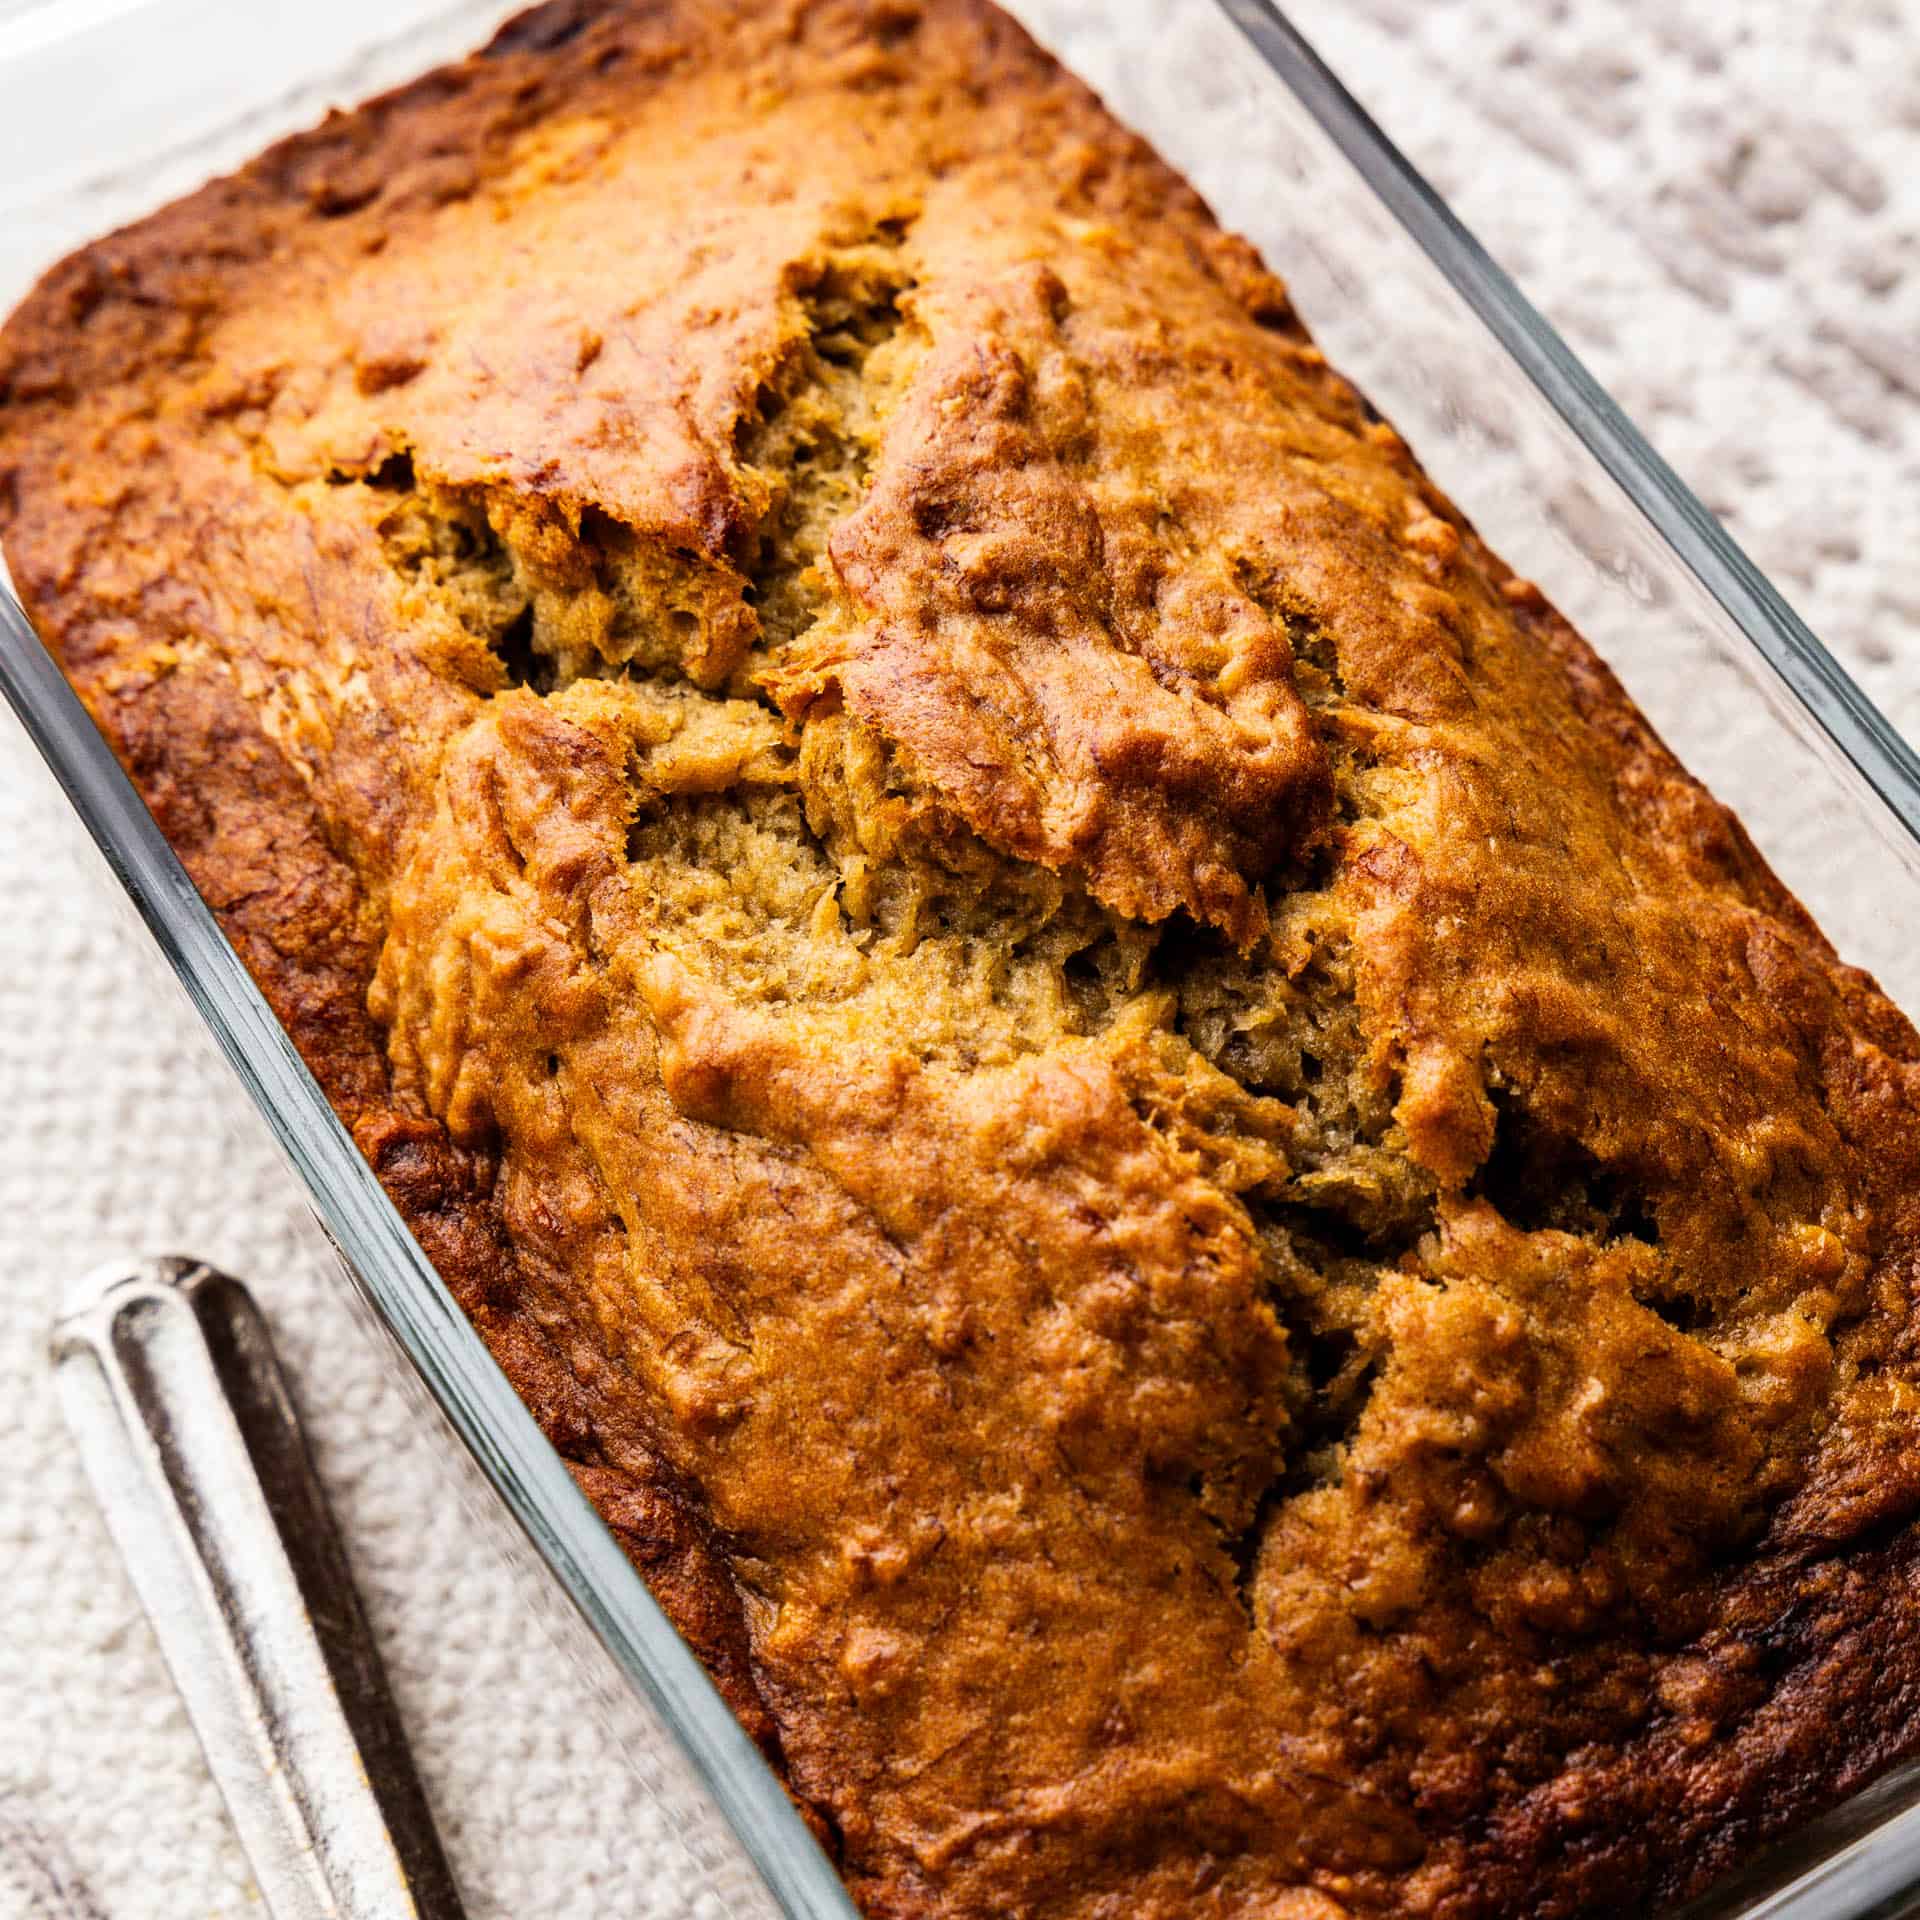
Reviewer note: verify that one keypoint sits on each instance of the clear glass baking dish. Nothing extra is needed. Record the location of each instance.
(113, 106)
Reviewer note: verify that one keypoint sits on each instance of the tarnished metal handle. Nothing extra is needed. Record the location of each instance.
(169, 1382)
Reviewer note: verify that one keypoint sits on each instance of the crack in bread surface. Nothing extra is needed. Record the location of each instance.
(1253, 1247)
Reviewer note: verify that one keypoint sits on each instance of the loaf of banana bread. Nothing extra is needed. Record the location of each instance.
(1221, 1245)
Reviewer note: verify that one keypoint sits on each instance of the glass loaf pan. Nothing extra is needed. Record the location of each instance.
(114, 106)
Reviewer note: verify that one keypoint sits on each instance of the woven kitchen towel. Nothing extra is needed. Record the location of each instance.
(1718, 204)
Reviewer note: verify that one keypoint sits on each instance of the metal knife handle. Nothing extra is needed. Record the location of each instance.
(169, 1382)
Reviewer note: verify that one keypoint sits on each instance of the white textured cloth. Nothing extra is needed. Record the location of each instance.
(1718, 205)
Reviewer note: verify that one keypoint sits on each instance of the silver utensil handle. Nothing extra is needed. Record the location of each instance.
(169, 1382)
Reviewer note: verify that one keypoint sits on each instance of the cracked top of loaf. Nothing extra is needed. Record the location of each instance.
(1223, 1247)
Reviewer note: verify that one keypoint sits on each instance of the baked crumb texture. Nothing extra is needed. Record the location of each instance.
(1221, 1245)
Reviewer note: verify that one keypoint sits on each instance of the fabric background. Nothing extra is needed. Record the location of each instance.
(1718, 204)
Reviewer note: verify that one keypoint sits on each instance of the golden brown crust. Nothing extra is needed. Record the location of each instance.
(1220, 1244)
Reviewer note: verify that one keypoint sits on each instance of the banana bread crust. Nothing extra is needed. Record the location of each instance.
(1223, 1248)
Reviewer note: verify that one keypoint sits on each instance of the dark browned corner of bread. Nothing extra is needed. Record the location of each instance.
(1221, 1245)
